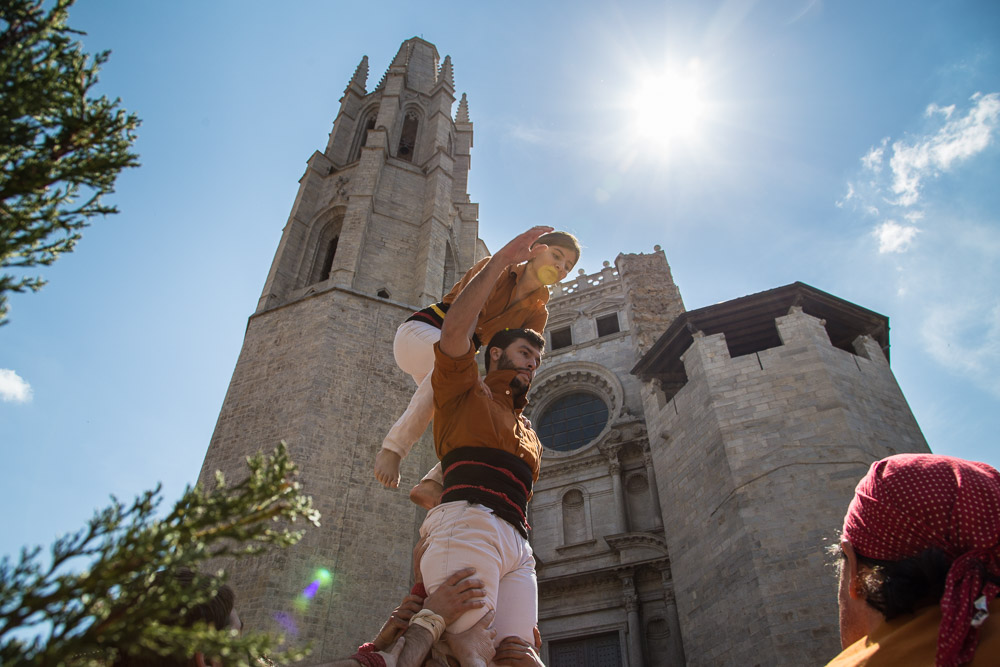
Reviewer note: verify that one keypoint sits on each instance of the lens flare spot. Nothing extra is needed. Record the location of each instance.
(309, 592)
(286, 621)
(324, 576)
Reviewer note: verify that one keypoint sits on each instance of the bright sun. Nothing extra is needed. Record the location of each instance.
(668, 108)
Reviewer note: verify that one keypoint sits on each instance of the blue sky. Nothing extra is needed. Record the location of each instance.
(849, 145)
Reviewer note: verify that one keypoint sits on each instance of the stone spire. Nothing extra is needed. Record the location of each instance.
(400, 61)
(463, 110)
(360, 77)
(446, 75)
(403, 55)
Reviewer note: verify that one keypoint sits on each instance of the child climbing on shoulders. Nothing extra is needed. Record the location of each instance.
(516, 301)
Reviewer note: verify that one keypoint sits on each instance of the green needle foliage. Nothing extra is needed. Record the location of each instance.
(122, 603)
(61, 149)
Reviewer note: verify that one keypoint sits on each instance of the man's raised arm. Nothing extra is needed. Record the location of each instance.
(456, 332)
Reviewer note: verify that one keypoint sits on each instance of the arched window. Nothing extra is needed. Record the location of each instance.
(572, 421)
(325, 250)
(408, 137)
(331, 250)
(367, 124)
(574, 517)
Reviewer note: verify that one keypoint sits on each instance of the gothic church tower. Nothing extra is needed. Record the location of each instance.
(381, 225)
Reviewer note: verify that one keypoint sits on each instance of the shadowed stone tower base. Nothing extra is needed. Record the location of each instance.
(381, 224)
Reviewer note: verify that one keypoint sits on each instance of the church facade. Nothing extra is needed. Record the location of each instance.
(694, 461)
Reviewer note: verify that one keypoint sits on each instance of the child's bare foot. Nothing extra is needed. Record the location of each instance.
(387, 468)
(427, 493)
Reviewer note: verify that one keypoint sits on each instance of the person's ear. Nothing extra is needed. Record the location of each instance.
(495, 354)
(851, 571)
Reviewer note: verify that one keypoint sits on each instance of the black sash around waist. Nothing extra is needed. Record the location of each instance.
(434, 316)
(491, 477)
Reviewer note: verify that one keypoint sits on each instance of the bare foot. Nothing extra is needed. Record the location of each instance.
(387, 468)
(427, 493)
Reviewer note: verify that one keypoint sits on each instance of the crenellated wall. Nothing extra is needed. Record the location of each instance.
(756, 459)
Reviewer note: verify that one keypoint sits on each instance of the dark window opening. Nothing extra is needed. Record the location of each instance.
(383, 293)
(597, 651)
(607, 325)
(369, 125)
(572, 421)
(561, 338)
(331, 250)
(408, 137)
(750, 338)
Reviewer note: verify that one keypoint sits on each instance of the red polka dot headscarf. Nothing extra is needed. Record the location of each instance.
(912, 502)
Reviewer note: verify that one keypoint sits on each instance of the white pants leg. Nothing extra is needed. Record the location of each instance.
(435, 474)
(460, 534)
(413, 348)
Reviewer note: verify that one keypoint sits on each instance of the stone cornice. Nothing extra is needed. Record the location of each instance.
(596, 578)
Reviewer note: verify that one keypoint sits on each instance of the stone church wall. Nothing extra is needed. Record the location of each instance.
(319, 374)
(765, 449)
(603, 569)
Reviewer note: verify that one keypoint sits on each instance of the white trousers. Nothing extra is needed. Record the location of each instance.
(413, 348)
(460, 534)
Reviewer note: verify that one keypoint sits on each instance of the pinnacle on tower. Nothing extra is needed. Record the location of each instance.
(462, 116)
(445, 74)
(360, 77)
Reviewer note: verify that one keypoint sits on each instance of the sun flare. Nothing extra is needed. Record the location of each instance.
(669, 107)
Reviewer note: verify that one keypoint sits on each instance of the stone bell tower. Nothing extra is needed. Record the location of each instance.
(381, 225)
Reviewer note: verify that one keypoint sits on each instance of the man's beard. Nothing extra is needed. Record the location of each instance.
(519, 388)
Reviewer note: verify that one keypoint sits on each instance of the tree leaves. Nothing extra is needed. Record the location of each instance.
(121, 602)
(61, 149)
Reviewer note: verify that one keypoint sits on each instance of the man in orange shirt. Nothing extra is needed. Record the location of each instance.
(489, 455)
(516, 300)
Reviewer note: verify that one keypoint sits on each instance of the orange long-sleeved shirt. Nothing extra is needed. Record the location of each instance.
(499, 312)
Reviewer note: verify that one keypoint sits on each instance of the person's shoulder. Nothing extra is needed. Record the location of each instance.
(444, 363)
(855, 655)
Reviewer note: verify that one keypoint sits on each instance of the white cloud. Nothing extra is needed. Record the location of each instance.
(957, 140)
(894, 237)
(847, 197)
(939, 248)
(965, 338)
(944, 111)
(13, 388)
(872, 160)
